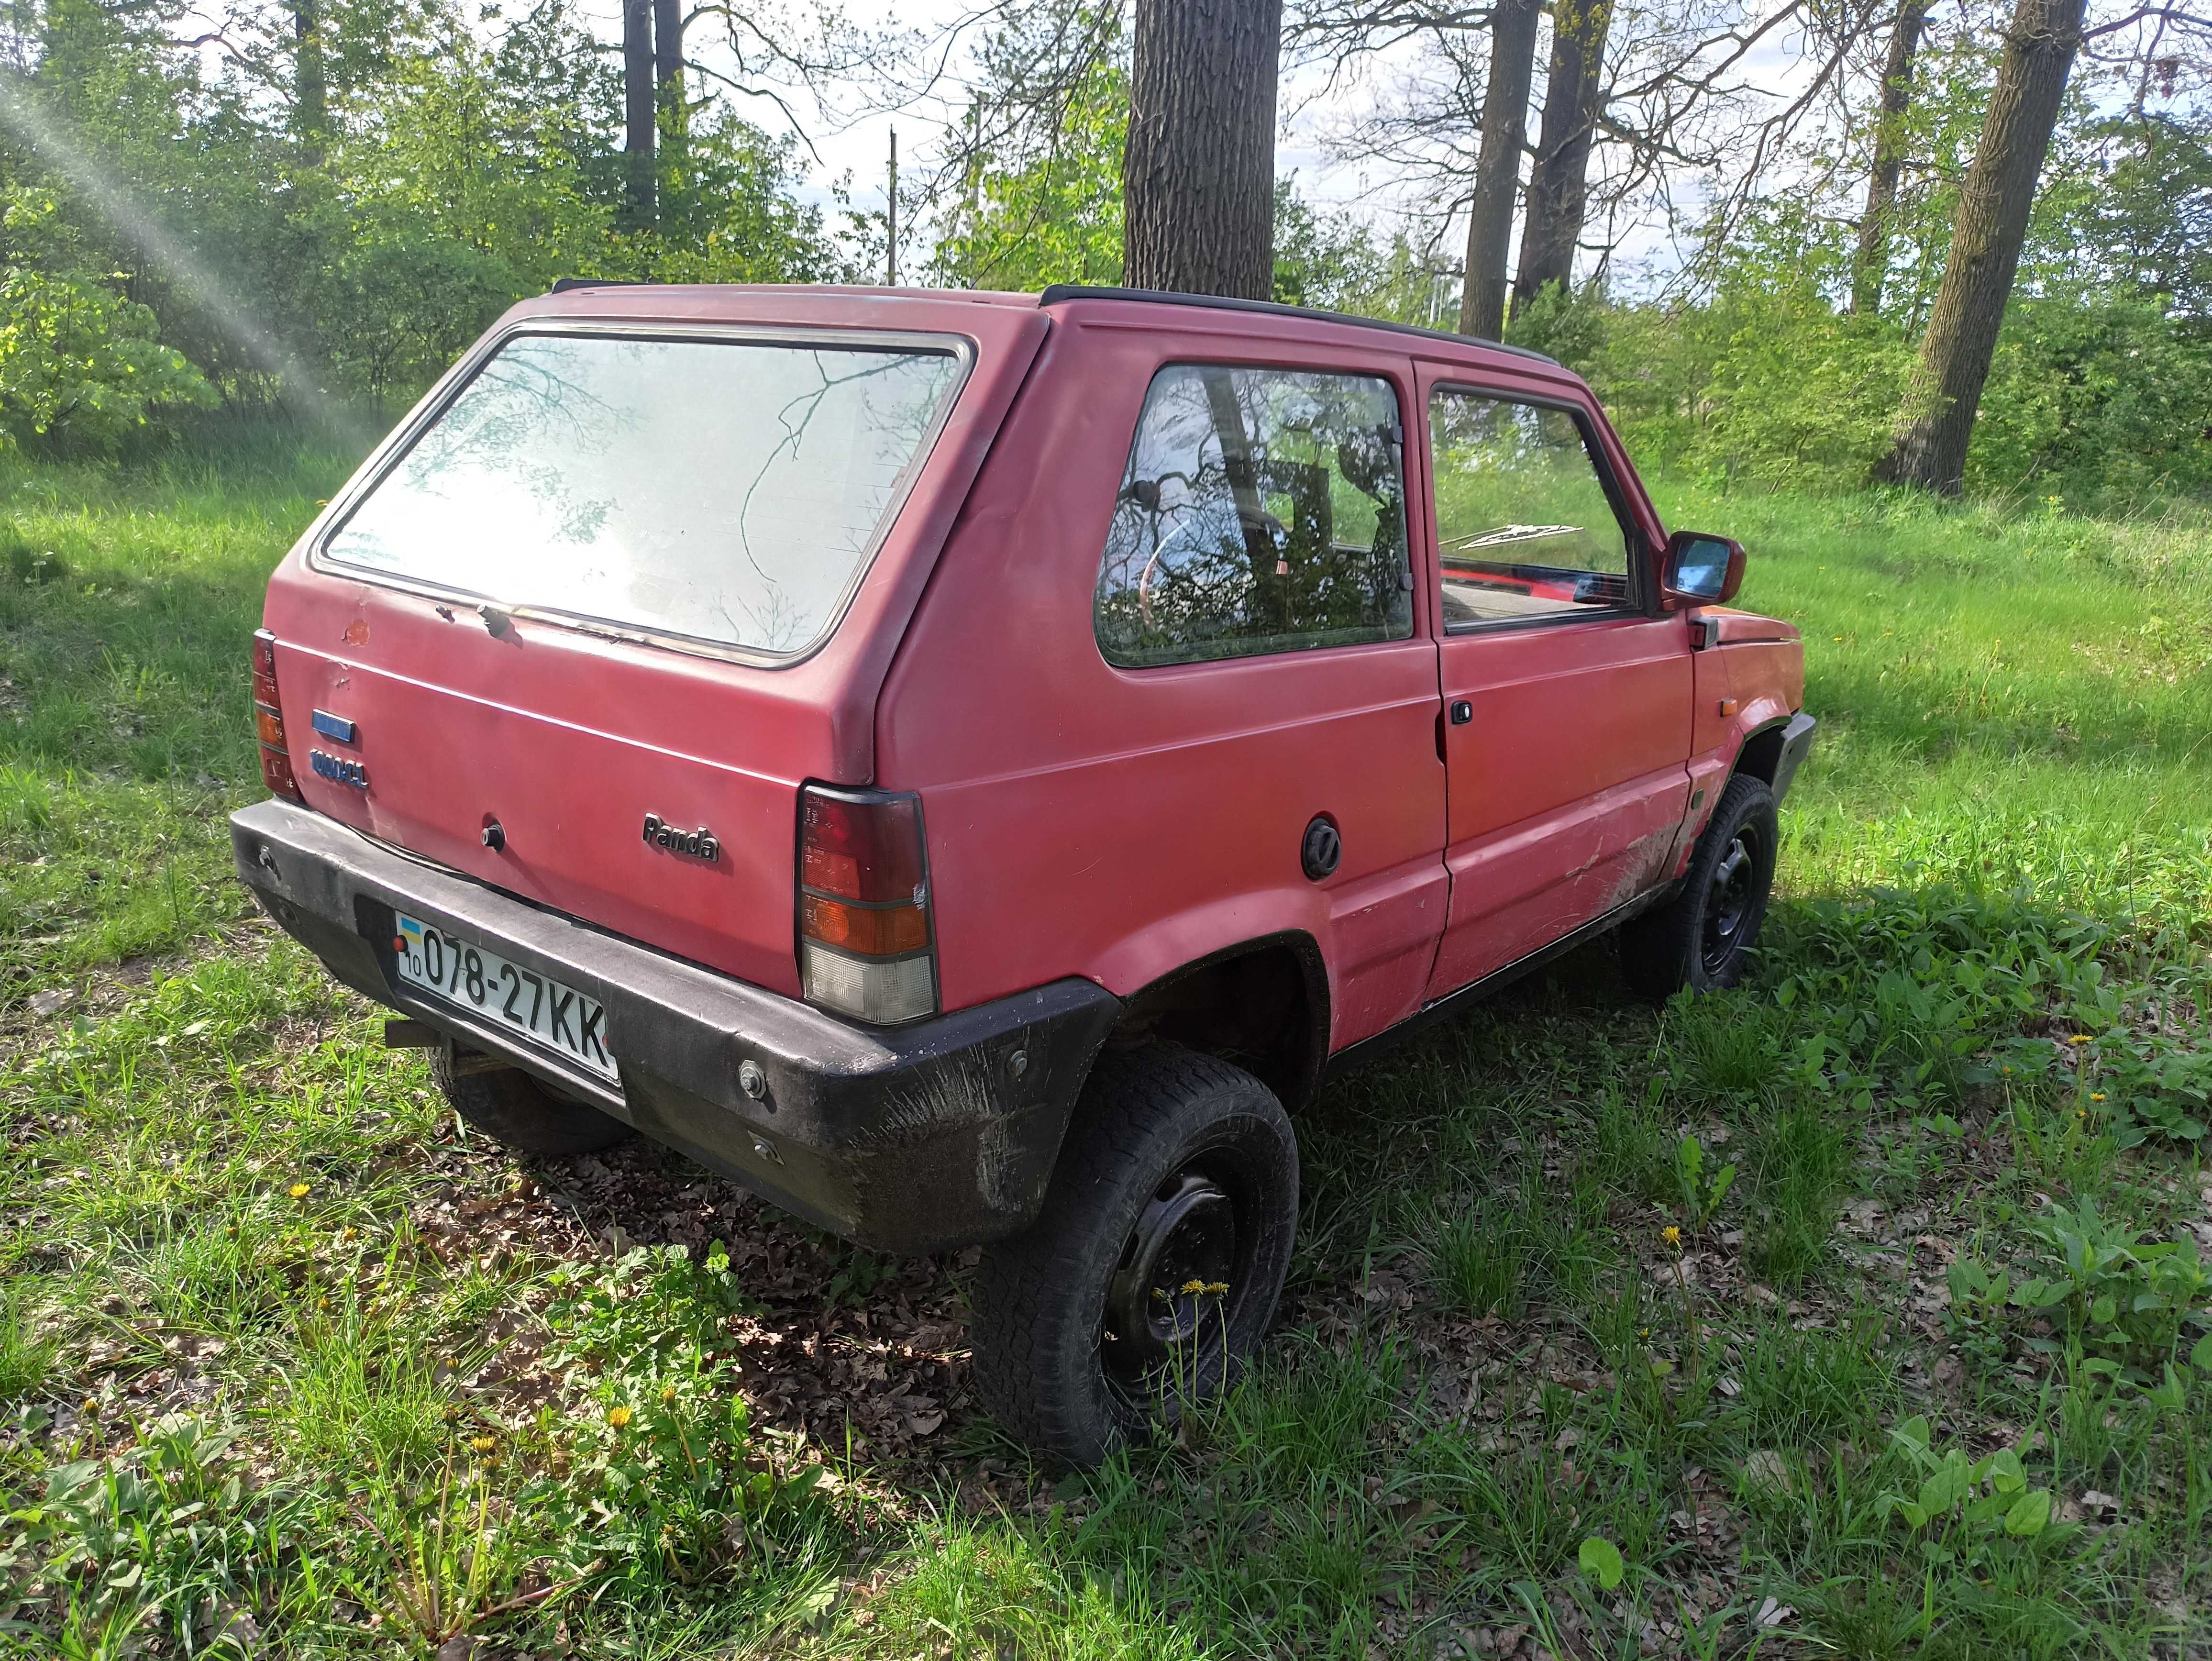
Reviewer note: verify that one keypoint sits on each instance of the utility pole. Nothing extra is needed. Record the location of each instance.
(891, 219)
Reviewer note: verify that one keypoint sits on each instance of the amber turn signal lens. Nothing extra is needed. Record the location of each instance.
(269, 719)
(868, 931)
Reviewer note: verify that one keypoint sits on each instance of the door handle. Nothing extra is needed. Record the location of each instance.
(1462, 712)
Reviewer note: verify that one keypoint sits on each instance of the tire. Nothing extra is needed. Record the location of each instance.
(510, 1107)
(1704, 937)
(1181, 1169)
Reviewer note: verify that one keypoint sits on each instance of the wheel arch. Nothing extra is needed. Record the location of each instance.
(1261, 1004)
(1759, 755)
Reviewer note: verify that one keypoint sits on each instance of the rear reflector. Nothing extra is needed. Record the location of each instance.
(865, 943)
(269, 719)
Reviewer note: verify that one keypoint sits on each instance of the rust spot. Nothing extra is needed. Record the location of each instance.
(356, 632)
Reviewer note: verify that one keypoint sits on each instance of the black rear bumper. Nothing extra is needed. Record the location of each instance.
(910, 1139)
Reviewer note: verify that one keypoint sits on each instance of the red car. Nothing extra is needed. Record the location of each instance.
(966, 765)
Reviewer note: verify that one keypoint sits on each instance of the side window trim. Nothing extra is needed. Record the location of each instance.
(1641, 594)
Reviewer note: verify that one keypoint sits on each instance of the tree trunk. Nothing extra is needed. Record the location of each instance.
(311, 113)
(1573, 98)
(638, 192)
(1938, 418)
(1498, 165)
(1198, 176)
(1870, 266)
(668, 73)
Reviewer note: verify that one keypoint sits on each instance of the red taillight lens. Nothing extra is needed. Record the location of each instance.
(867, 850)
(269, 719)
(865, 944)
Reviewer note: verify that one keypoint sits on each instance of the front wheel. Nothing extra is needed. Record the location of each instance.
(1702, 937)
(1154, 1268)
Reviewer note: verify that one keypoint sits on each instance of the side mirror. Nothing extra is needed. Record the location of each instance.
(1702, 570)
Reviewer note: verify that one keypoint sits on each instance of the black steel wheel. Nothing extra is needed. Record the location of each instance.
(1155, 1267)
(1704, 937)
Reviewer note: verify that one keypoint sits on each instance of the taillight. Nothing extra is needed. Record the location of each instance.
(864, 946)
(269, 719)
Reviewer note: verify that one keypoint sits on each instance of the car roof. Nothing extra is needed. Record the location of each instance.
(1062, 293)
(1059, 297)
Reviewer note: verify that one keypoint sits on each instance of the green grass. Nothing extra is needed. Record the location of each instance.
(279, 1344)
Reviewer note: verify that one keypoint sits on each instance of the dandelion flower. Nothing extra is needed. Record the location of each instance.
(451, 1413)
(482, 1443)
(619, 1417)
(1671, 1235)
(2096, 1095)
(2080, 1037)
(301, 1190)
(668, 1392)
(1193, 1287)
(1217, 1288)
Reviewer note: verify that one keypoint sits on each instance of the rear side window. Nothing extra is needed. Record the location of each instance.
(1263, 510)
(727, 491)
(1524, 527)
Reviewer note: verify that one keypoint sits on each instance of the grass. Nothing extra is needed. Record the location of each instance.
(290, 1365)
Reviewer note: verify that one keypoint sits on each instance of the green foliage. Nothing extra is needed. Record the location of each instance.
(1804, 1161)
(168, 1534)
(665, 1482)
(1601, 1560)
(1048, 214)
(1699, 1191)
(2131, 1305)
(1966, 1510)
(81, 369)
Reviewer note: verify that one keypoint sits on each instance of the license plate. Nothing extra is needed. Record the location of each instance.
(533, 1006)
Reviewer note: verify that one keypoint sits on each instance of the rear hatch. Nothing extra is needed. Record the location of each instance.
(624, 584)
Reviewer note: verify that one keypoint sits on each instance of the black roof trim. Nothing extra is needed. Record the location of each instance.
(1059, 291)
(566, 285)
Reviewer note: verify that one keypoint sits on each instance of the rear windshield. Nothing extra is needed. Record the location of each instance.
(727, 491)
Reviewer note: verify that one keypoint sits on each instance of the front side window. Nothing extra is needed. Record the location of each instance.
(1263, 510)
(1524, 527)
(727, 491)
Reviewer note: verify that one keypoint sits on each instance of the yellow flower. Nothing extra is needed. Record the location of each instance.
(1217, 1288)
(619, 1416)
(451, 1413)
(2080, 1037)
(668, 1392)
(2096, 1095)
(1671, 1235)
(301, 1190)
(482, 1443)
(1193, 1287)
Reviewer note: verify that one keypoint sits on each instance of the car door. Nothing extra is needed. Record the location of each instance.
(1567, 693)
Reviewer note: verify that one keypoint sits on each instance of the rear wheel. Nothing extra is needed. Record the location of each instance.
(1155, 1266)
(510, 1107)
(1702, 938)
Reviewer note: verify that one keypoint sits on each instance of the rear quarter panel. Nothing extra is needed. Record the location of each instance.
(1117, 825)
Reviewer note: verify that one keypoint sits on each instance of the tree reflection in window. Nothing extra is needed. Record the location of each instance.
(1263, 510)
(723, 490)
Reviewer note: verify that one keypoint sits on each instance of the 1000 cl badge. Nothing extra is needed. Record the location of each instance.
(338, 769)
